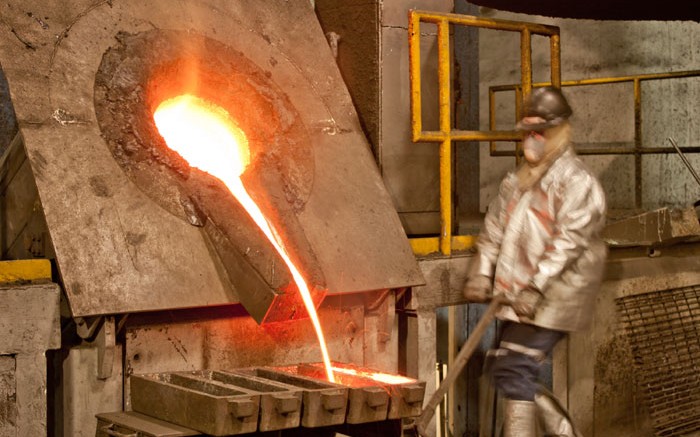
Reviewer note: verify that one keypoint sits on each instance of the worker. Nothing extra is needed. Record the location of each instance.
(541, 248)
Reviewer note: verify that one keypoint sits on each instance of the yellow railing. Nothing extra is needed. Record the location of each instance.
(637, 150)
(446, 134)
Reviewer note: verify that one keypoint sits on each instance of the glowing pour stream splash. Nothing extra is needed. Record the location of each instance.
(207, 138)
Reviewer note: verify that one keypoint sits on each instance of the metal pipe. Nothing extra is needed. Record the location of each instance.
(685, 160)
(637, 143)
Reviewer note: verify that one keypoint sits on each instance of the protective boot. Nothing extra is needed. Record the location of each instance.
(519, 420)
(553, 417)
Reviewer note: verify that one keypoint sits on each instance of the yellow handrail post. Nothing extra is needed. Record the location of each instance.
(414, 75)
(444, 86)
(555, 56)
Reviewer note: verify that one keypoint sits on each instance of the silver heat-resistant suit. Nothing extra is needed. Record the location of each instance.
(547, 236)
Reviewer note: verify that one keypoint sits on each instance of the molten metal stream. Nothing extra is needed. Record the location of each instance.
(386, 378)
(207, 138)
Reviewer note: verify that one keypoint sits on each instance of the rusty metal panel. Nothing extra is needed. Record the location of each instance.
(118, 248)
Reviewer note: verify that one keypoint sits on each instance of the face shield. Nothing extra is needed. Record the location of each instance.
(544, 110)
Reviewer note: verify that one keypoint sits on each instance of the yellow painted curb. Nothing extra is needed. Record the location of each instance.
(25, 270)
(430, 245)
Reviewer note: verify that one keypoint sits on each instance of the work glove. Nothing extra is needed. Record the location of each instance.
(478, 289)
(526, 302)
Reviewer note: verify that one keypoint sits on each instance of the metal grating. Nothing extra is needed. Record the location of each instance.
(663, 328)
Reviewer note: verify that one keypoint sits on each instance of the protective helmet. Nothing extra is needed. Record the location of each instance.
(544, 108)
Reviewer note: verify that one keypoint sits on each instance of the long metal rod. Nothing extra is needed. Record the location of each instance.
(637, 143)
(685, 160)
(462, 359)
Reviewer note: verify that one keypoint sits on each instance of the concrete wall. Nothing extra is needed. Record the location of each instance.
(605, 114)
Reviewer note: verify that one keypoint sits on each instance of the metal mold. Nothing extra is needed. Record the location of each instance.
(368, 401)
(324, 403)
(193, 403)
(280, 404)
(367, 404)
(273, 398)
(405, 398)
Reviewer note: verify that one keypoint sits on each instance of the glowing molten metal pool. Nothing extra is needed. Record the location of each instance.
(206, 136)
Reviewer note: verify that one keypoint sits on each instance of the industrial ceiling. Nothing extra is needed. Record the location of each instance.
(600, 9)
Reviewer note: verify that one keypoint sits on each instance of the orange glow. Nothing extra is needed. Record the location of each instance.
(385, 378)
(208, 138)
(350, 375)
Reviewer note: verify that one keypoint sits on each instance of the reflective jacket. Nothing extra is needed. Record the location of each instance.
(548, 236)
